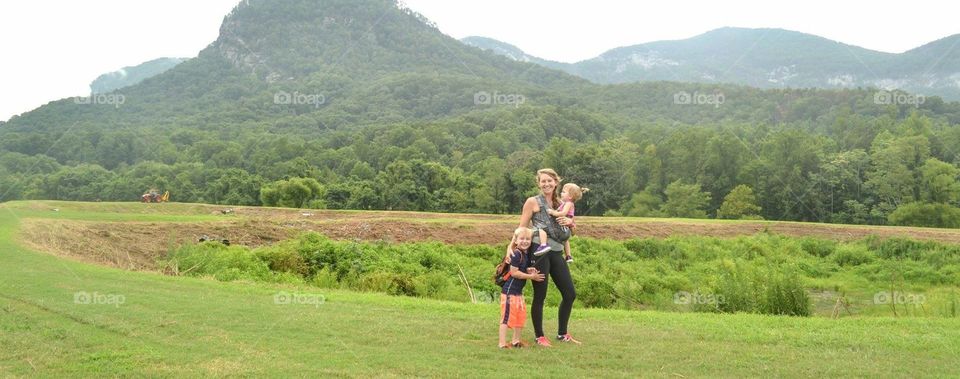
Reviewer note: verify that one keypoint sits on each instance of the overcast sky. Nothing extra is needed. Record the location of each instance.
(54, 49)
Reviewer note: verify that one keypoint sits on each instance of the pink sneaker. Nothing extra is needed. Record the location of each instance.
(543, 341)
(567, 338)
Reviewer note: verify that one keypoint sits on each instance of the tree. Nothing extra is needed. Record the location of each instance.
(294, 193)
(740, 203)
(685, 200)
(939, 183)
(643, 204)
(893, 177)
(935, 215)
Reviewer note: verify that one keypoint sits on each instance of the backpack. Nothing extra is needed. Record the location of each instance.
(502, 273)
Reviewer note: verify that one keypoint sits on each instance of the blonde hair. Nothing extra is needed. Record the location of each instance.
(575, 191)
(523, 231)
(553, 174)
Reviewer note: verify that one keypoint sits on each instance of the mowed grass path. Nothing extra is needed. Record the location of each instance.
(177, 326)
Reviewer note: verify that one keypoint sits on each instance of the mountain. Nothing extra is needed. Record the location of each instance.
(770, 58)
(366, 61)
(367, 105)
(131, 75)
(510, 51)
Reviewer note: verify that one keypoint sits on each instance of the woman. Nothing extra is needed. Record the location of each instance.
(551, 264)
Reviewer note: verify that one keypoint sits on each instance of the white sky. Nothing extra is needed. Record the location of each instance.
(52, 49)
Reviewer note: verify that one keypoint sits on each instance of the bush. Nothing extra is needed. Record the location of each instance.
(936, 215)
(222, 262)
(852, 255)
(817, 247)
(901, 248)
(784, 295)
(744, 274)
(283, 260)
(648, 248)
(595, 290)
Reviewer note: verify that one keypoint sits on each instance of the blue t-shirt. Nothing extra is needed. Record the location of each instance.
(514, 286)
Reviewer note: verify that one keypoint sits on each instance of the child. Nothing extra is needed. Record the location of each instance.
(513, 310)
(571, 194)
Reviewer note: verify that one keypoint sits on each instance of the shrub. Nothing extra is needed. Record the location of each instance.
(648, 248)
(222, 262)
(595, 290)
(736, 288)
(817, 247)
(852, 255)
(937, 215)
(283, 260)
(784, 295)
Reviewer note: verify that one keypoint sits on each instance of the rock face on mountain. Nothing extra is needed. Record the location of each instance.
(766, 58)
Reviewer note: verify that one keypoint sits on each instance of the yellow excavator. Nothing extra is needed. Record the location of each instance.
(154, 196)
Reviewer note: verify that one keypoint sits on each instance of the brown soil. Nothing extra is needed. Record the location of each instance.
(138, 245)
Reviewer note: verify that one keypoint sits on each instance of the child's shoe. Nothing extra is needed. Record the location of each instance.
(569, 259)
(543, 249)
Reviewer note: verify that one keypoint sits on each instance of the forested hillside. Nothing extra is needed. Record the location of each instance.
(367, 105)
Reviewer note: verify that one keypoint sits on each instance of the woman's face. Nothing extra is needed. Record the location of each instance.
(547, 184)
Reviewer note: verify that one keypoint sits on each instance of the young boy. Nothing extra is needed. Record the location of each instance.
(513, 310)
(571, 194)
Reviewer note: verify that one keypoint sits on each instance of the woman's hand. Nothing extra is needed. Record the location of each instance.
(564, 221)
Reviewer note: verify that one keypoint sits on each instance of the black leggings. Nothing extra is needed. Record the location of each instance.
(553, 266)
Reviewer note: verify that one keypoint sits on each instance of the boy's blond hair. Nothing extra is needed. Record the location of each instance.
(525, 231)
(576, 193)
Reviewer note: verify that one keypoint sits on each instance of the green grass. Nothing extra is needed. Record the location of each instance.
(177, 326)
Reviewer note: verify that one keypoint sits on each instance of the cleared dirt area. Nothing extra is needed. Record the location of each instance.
(138, 245)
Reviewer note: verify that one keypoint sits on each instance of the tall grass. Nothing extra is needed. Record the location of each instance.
(767, 274)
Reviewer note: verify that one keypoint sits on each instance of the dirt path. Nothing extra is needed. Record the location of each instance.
(138, 245)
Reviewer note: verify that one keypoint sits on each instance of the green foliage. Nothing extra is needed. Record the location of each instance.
(852, 255)
(936, 215)
(766, 274)
(939, 183)
(685, 200)
(784, 294)
(219, 261)
(740, 203)
(294, 193)
(643, 204)
(400, 129)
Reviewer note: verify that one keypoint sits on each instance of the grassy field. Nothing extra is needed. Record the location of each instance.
(60, 317)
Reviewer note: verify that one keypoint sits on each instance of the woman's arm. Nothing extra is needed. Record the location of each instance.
(527, 212)
(568, 222)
